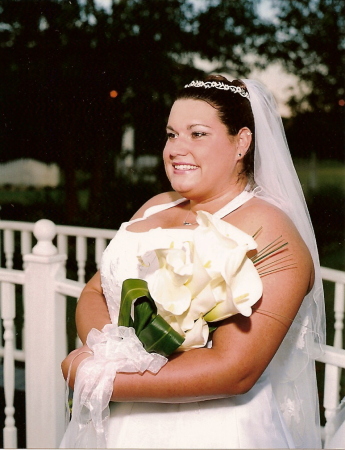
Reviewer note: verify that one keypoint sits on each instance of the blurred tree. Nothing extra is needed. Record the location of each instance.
(310, 42)
(60, 60)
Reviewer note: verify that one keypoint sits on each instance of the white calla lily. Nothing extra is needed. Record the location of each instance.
(167, 285)
(169, 296)
(246, 288)
(178, 262)
(205, 280)
(220, 229)
(205, 301)
(196, 337)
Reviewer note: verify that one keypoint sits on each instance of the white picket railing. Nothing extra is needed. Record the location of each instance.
(45, 289)
(85, 238)
(333, 356)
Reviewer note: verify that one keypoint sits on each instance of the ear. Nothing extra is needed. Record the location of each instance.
(244, 139)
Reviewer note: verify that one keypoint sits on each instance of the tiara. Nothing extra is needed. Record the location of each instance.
(219, 85)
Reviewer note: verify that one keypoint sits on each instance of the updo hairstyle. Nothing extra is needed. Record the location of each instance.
(234, 111)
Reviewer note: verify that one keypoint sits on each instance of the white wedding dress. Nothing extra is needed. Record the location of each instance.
(257, 419)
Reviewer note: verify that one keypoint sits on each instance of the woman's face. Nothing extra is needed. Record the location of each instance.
(200, 157)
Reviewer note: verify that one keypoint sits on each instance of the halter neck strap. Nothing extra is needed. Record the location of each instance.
(235, 203)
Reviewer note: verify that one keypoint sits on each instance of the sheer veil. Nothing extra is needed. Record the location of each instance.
(292, 369)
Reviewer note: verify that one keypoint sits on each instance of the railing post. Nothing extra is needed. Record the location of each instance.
(45, 341)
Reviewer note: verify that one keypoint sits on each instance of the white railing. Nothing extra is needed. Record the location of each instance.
(45, 346)
(84, 240)
(338, 278)
(45, 288)
(333, 356)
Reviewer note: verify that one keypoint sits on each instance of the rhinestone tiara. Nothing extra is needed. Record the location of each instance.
(219, 85)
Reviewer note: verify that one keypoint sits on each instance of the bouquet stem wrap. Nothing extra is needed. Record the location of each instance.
(152, 330)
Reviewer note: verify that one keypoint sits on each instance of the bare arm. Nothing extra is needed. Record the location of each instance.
(242, 347)
(92, 311)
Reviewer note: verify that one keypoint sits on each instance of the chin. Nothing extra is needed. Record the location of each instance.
(181, 189)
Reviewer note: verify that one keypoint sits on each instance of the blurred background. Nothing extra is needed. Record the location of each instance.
(86, 87)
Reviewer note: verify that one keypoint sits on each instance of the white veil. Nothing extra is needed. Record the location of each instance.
(292, 369)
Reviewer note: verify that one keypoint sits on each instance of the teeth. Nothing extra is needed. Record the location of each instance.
(184, 167)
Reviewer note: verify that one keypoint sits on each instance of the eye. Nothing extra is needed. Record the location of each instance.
(198, 134)
(171, 135)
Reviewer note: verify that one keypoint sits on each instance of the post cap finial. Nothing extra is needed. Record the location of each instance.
(44, 232)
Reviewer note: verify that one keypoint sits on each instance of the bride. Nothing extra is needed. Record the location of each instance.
(252, 385)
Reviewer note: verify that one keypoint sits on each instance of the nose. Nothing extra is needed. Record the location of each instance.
(176, 147)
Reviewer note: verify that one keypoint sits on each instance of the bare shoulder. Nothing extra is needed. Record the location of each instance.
(160, 199)
(259, 214)
(273, 223)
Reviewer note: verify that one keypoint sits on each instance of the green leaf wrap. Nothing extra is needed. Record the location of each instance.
(160, 338)
(132, 289)
(144, 312)
(152, 330)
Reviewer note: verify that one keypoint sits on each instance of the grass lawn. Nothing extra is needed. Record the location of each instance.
(320, 173)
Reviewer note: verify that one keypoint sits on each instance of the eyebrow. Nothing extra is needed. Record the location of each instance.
(198, 124)
(189, 126)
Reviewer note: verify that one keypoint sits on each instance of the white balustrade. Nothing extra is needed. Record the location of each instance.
(337, 277)
(25, 242)
(101, 244)
(85, 237)
(8, 279)
(62, 244)
(9, 247)
(334, 357)
(339, 303)
(334, 360)
(81, 254)
(45, 292)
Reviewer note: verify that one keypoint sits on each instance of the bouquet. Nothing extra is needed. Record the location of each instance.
(198, 283)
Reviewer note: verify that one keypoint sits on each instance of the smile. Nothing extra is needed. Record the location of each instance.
(184, 167)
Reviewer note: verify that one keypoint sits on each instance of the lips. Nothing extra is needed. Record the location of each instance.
(184, 167)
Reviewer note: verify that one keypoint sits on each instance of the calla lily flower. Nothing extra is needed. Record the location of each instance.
(241, 285)
(206, 279)
(196, 337)
(167, 285)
